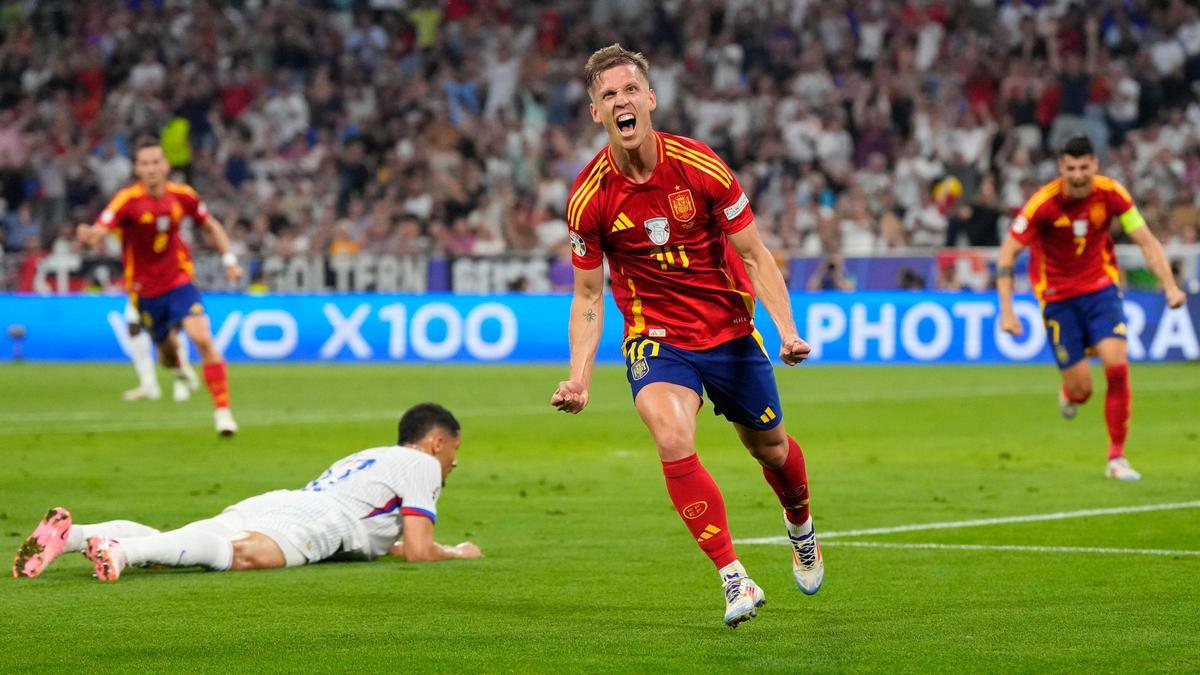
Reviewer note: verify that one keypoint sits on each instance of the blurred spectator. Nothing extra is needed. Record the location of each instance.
(910, 280)
(977, 220)
(112, 169)
(1183, 220)
(21, 229)
(926, 224)
(343, 241)
(830, 276)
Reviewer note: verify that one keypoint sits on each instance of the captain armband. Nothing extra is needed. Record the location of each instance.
(1131, 220)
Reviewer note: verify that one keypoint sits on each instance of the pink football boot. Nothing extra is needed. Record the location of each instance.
(106, 554)
(44, 545)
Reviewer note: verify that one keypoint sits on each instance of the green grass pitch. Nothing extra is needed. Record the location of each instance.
(587, 566)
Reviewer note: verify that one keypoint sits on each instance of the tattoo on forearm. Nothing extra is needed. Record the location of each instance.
(590, 315)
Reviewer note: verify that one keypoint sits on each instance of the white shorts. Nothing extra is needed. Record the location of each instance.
(307, 527)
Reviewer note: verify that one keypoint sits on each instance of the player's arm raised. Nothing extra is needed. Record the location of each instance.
(583, 329)
(1156, 260)
(1009, 250)
(418, 544)
(772, 290)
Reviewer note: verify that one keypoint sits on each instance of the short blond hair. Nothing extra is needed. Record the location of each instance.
(610, 57)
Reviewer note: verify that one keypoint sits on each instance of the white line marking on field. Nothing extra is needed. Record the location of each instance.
(1003, 547)
(1032, 518)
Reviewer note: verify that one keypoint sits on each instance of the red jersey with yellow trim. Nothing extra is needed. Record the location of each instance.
(156, 259)
(675, 275)
(1069, 242)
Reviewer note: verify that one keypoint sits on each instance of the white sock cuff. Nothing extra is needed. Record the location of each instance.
(731, 570)
(801, 529)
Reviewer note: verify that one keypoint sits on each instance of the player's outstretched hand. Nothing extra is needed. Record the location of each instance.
(1176, 298)
(571, 397)
(794, 350)
(86, 234)
(468, 550)
(1010, 324)
(233, 273)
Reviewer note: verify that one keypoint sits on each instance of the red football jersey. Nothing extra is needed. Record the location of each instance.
(675, 276)
(1071, 249)
(156, 259)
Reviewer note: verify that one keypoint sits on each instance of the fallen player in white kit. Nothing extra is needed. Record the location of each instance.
(357, 510)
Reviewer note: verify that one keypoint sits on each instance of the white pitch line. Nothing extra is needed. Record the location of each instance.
(1032, 518)
(1005, 547)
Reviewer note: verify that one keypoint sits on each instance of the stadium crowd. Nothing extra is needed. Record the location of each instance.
(456, 127)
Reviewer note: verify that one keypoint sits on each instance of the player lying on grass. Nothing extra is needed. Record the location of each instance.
(357, 510)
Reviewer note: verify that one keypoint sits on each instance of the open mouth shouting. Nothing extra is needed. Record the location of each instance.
(625, 124)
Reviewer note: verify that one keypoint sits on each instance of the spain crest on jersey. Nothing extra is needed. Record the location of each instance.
(682, 206)
(659, 230)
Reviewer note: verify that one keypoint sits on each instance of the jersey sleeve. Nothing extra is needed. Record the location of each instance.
(421, 491)
(583, 220)
(113, 215)
(727, 202)
(193, 206)
(1121, 203)
(1024, 226)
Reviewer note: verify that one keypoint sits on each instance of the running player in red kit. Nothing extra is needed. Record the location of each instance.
(686, 262)
(158, 265)
(1074, 274)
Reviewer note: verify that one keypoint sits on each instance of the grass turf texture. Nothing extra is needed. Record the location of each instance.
(588, 567)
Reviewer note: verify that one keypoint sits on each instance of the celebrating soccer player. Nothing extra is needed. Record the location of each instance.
(686, 261)
(158, 265)
(356, 510)
(1074, 274)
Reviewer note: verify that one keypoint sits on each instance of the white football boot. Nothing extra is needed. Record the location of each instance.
(808, 566)
(181, 391)
(1066, 408)
(1119, 468)
(186, 382)
(224, 422)
(743, 597)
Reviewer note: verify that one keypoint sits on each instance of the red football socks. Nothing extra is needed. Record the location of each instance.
(217, 380)
(790, 483)
(701, 506)
(1116, 408)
